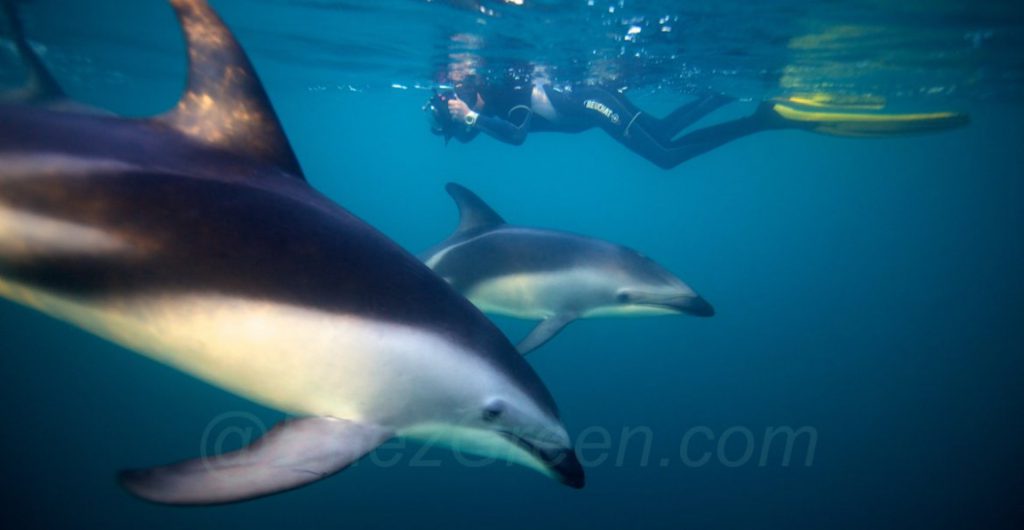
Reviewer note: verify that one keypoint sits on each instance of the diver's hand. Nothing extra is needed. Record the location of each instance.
(458, 109)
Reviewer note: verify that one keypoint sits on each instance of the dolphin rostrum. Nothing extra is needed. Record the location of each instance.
(551, 276)
(193, 238)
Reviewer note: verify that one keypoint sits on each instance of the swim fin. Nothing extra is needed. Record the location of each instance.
(862, 124)
(825, 100)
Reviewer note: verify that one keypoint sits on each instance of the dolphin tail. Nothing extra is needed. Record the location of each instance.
(41, 86)
(292, 454)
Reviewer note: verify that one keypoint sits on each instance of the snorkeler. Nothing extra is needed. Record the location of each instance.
(509, 113)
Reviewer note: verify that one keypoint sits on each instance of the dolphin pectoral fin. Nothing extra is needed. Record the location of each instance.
(293, 454)
(544, 332)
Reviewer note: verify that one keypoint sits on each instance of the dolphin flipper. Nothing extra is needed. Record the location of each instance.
(292, 454)
(545, 331)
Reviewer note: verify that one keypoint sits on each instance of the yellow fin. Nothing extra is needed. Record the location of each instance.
(836, 101)
(868, 125)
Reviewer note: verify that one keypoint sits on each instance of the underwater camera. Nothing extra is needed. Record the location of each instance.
(436, 111)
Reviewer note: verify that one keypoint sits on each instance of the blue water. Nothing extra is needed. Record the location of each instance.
(868, 291)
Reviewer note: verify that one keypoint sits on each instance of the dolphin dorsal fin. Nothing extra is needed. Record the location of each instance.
(474, 213)
(41, 86)
(224, 104)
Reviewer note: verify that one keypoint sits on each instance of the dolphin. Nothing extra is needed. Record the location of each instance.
(193, 238)
(555, 277)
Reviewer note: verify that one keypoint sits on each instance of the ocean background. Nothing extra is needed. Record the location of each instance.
(868, 290)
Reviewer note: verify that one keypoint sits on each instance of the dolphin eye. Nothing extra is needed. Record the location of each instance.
(493, 411)
(622, 298)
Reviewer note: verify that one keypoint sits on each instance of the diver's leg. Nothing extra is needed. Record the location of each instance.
(641, 142)
(686, 115)
(668, 155)
(769, 116)
(623, 122)
(598, 107)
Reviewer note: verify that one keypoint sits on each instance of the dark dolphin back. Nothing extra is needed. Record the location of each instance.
(484, 247)
(512, 250)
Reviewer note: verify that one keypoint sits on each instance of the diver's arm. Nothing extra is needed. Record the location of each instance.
(500, 129)
(503, 130)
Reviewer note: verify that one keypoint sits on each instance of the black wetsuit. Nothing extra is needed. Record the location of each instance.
(507, 116)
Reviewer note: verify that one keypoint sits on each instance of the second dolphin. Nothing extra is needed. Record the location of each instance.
(555, 277)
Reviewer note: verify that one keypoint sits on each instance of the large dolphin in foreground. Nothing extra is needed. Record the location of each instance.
(554, 277)
(193, 238)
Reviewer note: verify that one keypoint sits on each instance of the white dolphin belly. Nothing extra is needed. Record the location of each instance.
(535, 295)
(524, 295)
(542, 295)
(296, 360)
